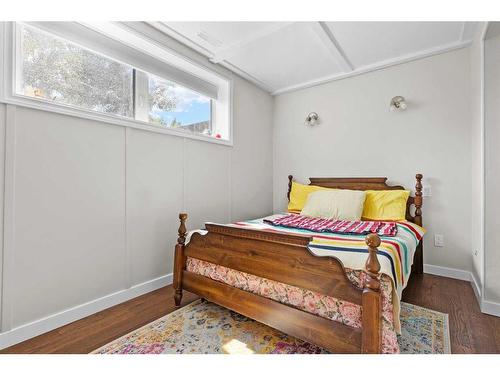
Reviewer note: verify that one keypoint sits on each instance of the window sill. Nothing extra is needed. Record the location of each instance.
(63, 109)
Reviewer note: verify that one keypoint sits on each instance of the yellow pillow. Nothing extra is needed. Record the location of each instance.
(385, 204)
(298, 195)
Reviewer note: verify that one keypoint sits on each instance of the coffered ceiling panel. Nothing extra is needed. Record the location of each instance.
(284, 56)
(371, 42)
(289, 56)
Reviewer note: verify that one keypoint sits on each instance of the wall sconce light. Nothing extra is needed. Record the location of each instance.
(398, 103)
(312, 119)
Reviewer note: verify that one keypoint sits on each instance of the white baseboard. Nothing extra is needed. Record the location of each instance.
(59, 319)
(475, 287)
(492, 308)
(447, 272)
(487, 307)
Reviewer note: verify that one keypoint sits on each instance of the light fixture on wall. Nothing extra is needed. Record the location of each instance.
(312, 119)
(398, 103)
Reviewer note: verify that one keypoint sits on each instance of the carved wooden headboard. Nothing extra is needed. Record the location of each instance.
(370, 183)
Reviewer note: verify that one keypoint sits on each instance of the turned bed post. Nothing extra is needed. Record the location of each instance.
(290, 180)
(418, 202)
(371, 301)
(179, 259)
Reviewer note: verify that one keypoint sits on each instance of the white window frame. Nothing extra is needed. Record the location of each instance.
(223, 108)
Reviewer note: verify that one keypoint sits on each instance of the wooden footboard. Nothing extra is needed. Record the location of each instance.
(284, 258)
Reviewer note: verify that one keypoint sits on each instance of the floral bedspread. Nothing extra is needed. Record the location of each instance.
(319, 304)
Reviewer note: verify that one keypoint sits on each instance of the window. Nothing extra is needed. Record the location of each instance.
(62, 72)
(167, 104)
(55, 70)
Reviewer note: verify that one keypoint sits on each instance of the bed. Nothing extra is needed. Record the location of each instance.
(280, 277)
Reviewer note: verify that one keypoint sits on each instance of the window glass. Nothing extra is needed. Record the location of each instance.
(174, 106)
(56, 70)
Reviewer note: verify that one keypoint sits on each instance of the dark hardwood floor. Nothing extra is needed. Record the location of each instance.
(471, 331)
(94, 331)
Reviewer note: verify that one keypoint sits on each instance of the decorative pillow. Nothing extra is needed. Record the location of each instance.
(335, 204)
(298, 195)
(385, 205)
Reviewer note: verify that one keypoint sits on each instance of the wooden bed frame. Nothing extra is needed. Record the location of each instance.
(286, 258)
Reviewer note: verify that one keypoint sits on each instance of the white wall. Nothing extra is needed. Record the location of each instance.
(476, 154)
(92, 208)
(2, 175)
(492, 164)
(359, 136)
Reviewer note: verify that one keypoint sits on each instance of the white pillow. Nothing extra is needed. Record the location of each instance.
(335, 204)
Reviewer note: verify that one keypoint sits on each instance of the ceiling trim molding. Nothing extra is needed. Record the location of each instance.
(162, 27)
(484, 31)
(257, 82)
(370, 68)
(469, 30)
(462, 32)
(326, 36)
(222, 53)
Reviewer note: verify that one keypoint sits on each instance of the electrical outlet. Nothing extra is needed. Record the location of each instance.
(427, 191)
(439, 240)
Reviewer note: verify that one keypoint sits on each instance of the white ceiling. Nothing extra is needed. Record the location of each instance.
(284, 56)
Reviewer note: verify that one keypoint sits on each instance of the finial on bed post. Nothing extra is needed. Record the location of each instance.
(179, 259)
(418, 201)
(290, 180)
(372, 264)
(182, 229)
(371, 336)
(418, 263)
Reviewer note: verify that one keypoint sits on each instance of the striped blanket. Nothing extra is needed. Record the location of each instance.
(395, 254)
(317, 224)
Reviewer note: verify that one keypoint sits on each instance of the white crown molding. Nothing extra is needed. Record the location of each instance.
(164, 28)
(32, 329)
(463, 32)
(469, 30)
(257, 82)
(484, 31)
(377, 66)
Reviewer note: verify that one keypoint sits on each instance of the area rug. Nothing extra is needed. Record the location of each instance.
(203, 327)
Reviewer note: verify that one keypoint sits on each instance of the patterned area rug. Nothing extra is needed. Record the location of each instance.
(203, 327)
